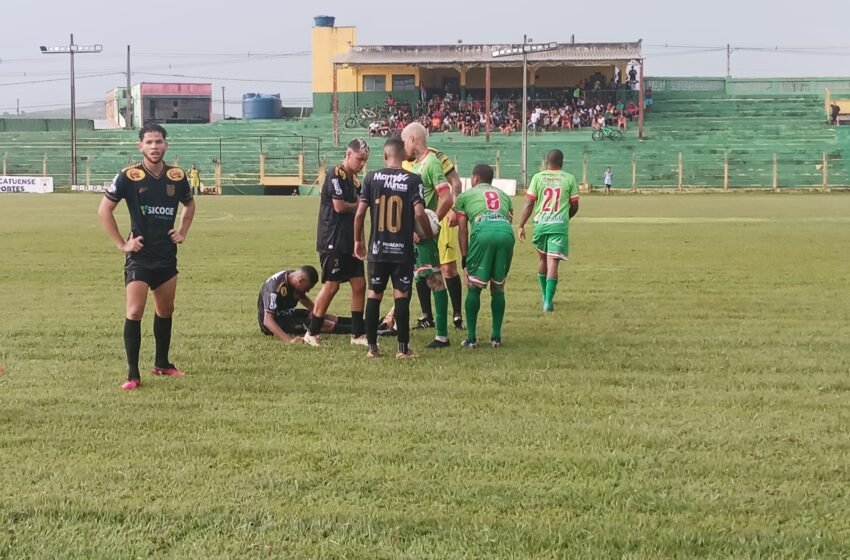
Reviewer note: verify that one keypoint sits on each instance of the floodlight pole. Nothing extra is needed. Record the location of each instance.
(71, 49)
(524, 113)
(524, 50)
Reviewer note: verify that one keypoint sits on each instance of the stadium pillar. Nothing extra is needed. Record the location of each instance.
(634, 172)
(825, 173)
(335, 108)
(641, 103)
(726, 171)
(487, 99)
(128, 106)
(681, 172)
(775, 172)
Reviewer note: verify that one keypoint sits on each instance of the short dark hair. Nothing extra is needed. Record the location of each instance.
(555, 158)
(483, 172)
(312, 274)
(359, 145)
(395, 147)
(152, 127)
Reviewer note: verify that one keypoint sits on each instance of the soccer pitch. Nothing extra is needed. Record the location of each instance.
(688, 398)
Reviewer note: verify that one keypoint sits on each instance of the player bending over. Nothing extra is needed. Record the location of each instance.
(277, 311)
(484, 216)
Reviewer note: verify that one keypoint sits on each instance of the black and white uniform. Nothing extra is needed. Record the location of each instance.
(279, 300)
(152, 202)
(335, 231)
(391, 195)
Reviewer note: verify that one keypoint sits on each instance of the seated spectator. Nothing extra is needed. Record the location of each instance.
(621, 121)
(447, 124)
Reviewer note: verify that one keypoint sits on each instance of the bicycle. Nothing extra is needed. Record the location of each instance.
(607, 132)
(362, 117)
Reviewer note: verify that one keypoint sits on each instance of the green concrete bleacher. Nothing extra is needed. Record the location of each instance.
(704, 127)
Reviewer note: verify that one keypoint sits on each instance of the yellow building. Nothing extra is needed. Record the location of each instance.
(366, 74)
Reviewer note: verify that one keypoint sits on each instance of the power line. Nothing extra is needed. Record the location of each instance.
(219, 78)
(58, 79)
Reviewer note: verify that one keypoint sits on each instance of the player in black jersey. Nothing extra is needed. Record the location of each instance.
(395, 198)
(276, 306)
(335, 243)
(152, 191)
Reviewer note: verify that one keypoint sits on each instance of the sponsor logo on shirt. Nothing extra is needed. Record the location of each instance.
(393, 181)
(158, 211)
(170, 189)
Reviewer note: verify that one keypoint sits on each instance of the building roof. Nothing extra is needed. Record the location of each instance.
(580, 54)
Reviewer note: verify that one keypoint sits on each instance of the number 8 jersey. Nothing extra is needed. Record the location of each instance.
(391, 195)
(552, 191)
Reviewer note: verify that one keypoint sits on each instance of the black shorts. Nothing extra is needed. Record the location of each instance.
(154, 275)
(381, 272)
(291, 321)
(340, 268)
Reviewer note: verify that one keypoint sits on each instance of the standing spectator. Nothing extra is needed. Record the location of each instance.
(632, 77)
(195, 179)
(607, 179)
(423, 92)
(834, 112)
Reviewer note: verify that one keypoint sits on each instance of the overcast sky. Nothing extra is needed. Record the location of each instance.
(177, 37)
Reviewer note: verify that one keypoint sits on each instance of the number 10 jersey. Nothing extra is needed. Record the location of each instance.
(391, 195)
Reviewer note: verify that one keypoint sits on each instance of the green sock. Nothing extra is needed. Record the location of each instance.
(542, 279)
(551, 287)
(497, 305)
(473, 305)
(441, 308)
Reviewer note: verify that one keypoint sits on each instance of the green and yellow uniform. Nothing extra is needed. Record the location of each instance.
(552, 191)
(491, 239)
(433, 182)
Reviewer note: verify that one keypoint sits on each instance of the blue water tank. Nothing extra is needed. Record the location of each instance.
(261, 106)
(324, 21)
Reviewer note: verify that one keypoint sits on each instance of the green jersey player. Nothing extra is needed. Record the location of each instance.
(553, 197)
(438, 197)
(487, 250)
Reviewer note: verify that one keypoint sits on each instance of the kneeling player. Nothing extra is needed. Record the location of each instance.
(394, 198)
(276, 306)
(488, 252)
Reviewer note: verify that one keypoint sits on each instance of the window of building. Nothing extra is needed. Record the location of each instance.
(374, 83)
(404, 82)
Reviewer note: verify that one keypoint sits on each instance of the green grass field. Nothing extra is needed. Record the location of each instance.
(688, 399)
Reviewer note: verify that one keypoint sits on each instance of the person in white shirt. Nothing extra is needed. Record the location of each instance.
(607, 179)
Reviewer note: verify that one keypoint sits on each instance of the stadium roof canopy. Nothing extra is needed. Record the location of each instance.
(576, 54)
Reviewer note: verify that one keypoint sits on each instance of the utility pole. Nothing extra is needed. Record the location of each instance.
(72, 49)
(223, 110)
(728, 60)
(128, 107)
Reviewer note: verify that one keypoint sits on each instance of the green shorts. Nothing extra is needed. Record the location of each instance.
(427, 259)
(489, 256)
(552, 245)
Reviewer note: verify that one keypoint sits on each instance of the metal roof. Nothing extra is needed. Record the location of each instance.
(478, 55)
